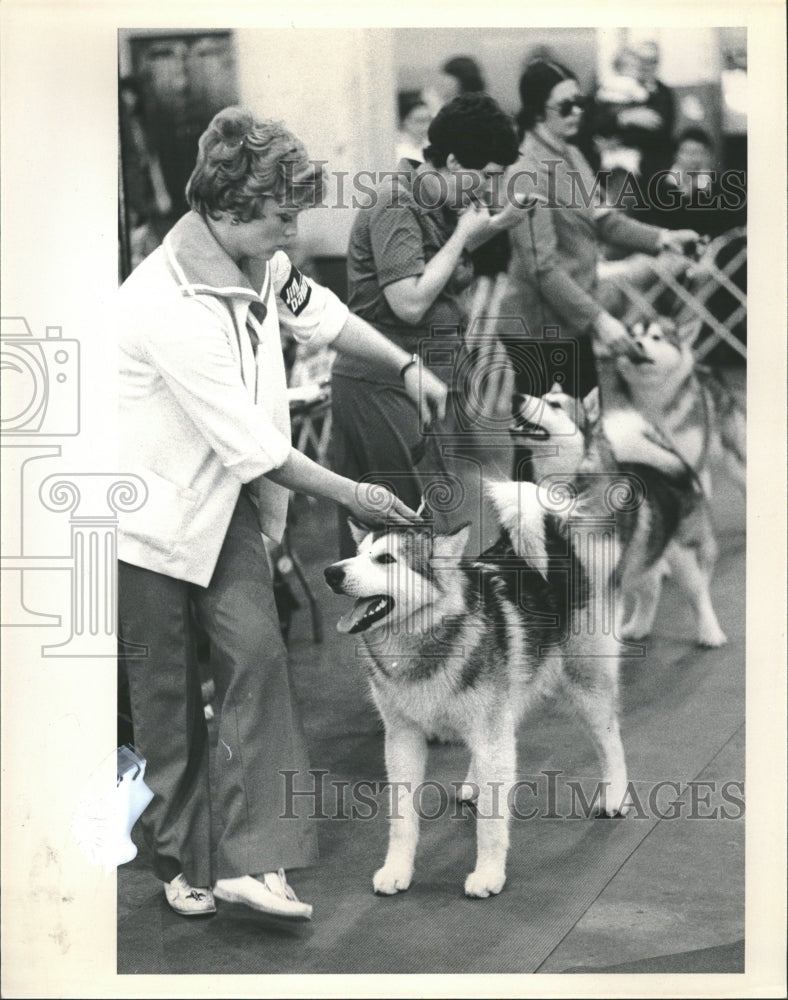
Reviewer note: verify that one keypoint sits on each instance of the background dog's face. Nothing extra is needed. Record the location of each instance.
(541, 418)
(662, 351)
(554, 419)
(394, 575)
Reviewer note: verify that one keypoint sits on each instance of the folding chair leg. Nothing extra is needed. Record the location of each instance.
(314, 610)
(298, 569)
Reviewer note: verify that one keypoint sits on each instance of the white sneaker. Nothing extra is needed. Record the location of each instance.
(188, 901)
(268, 893)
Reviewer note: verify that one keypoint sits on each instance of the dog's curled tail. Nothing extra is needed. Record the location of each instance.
(530, 517)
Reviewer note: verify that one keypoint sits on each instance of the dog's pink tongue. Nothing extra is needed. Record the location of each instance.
(353, 617)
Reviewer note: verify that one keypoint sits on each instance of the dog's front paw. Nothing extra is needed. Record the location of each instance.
(391, 879)
(484, 882)
(634, 632)
(616, 801)
(712, 638)
(614, 811)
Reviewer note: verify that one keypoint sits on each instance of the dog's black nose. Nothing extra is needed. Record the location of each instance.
(334, 576)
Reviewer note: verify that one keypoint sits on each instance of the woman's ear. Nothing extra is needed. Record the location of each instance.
(452, 163)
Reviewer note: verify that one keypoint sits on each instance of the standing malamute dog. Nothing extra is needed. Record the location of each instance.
(693, 408)
(466, 647)
(666, 527)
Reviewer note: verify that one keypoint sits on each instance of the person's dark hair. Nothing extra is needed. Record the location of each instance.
(536, 85)
(693, 134)
(475, 129)
(467, 73)
(407, 100)
(242, 160)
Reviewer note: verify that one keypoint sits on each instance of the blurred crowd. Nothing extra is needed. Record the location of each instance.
(655, 156)
(628, 133)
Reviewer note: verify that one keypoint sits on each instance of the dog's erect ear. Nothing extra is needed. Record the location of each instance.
(686, 333)
(590, 408)
(452, 545)
(357, 530)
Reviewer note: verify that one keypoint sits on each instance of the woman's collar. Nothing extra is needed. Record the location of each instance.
(545, 136)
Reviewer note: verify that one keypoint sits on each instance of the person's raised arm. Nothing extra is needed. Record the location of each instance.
(512, 214)
(411, 297)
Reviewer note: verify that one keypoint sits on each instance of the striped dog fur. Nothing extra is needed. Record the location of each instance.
(467, 647)
(669, 530)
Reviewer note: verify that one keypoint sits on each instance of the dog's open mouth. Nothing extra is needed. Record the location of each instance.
(639, 359)
(366, 611)
(527, 429)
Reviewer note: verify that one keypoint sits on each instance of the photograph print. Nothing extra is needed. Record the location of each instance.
(432, 359)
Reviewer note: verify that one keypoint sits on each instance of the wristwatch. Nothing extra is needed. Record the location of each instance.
(413, 360)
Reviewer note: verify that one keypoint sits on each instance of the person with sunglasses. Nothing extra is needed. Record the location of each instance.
(552, 277)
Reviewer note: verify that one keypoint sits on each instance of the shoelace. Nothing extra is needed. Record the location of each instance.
(277, 883)
(193, 893)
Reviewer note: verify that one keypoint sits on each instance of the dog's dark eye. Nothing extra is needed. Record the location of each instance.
(385, 558)
(554, 405)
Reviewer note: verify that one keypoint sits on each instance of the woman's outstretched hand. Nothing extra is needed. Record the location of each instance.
(374, 506)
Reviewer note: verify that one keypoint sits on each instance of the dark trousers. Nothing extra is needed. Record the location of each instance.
(376, 437)
(260, 733)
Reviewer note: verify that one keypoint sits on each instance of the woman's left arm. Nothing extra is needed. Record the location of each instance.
(615, 227)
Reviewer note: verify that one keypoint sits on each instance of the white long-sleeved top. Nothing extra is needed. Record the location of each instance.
(199, 414)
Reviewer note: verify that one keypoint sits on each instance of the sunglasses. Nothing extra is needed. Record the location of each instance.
(565, 108)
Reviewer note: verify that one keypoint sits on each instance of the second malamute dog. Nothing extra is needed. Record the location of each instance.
(691, 406)
(466, 647)
(665, 524)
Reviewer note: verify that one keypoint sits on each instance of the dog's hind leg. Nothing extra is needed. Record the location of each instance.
(592, 687)
(704, 544)
(406, 758)
(468, 790)
(494, 752)
(694, 581)
(646, 593)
